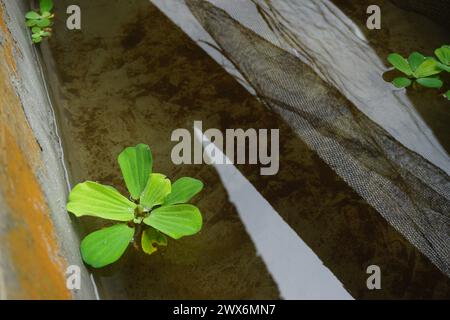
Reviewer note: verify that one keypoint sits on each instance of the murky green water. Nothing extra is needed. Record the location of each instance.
(132, 76)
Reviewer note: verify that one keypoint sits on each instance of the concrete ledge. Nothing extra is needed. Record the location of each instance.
(37, 236)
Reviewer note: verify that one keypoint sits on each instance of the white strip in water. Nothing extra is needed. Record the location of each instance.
(297, 270)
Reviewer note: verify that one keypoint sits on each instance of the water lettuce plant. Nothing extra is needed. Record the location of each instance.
(40, 21)
(447, 94)
(416, 68)
(39, 34)
(156, 209)
(422, 70)
(443, 54)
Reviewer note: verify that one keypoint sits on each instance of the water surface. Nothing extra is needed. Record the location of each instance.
(133, 76)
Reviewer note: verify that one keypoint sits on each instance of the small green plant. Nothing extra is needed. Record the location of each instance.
(417, 68)
(40, 21)
(443, 54)
(156, 208)
(447, 94)
(39, 34)
(421, 70)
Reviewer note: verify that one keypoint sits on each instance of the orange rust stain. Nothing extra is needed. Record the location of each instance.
(31, 238)
(7, 42)
(31, 241)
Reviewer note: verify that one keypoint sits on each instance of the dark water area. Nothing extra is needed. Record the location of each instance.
(130, 76)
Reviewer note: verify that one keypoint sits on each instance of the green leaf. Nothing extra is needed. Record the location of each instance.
(401, 82)
(176, 220)
(183, 190)
(94, 199)
(36, 30)
(46, 5)
(37, 39)
(31, 23)
(46, 14)
(151, 239)
(107, 245)
(430, 82)
(443, 67)
(43, 23)
(136, 165)
(156, 190)
(32, 15)
(36, 35)
(415, 60)
(447, 94)
(443, 54)
(427, 68)
(400, 63)
(45, 34)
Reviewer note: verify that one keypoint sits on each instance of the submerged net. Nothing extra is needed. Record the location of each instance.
(411, 193)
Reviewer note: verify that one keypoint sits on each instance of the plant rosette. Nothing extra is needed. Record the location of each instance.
(156, 206)
(40, 22)
(39, 34)
(443, 54)
(447, 95)
(417, 69)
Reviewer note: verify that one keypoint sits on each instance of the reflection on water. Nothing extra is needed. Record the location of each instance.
(407, 190)
(298, 272)
(138, 78)
(335, 46)
(398, 38)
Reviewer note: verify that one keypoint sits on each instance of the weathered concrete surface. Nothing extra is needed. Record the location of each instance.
(37, 240)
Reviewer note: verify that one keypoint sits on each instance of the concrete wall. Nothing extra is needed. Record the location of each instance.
(37, 237)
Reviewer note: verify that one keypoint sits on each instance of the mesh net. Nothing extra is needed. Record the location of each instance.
(411, 193)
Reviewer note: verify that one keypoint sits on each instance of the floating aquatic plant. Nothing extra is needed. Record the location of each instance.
(421, 69)
(447, 94)
(416, 68)
(156, 208)
(443, 54)
(40, 22)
